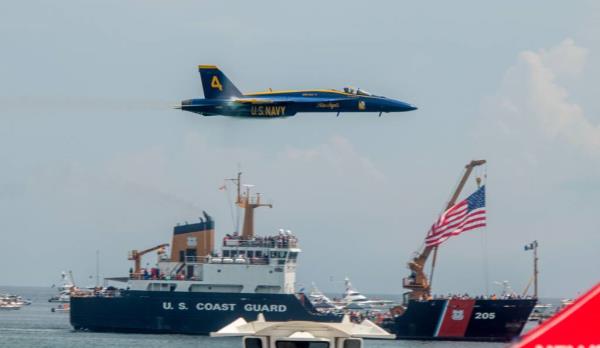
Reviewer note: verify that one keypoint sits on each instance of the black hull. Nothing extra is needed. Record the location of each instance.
(186, 313)
(202, 313)
(462, 320)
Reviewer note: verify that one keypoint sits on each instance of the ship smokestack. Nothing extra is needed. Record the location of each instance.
(193, 240)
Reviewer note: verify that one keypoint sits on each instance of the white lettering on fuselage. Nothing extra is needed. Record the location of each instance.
(267, 110)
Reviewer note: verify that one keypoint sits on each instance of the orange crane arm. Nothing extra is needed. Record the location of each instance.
(421, 285)
(136, 256)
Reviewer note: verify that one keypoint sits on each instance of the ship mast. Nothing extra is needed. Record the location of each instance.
(247, 202)
(418, 284)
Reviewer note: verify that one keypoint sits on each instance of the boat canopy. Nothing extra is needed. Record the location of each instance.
(260, 327)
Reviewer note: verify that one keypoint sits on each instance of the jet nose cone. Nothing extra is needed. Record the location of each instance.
(411, 107)
(402, 106)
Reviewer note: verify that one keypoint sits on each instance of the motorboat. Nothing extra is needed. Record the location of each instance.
(319, 300)
(8, 301)
(61, 308)
(302, 334)
(355, 301)
(65, 289)
(541, 312)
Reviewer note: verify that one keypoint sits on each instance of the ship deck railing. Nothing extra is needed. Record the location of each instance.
(190, 260)
(261, 243)
(227, 260)
(97, 293)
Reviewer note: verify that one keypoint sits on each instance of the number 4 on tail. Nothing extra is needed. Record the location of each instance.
(215, 83)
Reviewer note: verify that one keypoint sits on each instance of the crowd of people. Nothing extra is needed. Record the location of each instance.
(466, 296)
(284, 239)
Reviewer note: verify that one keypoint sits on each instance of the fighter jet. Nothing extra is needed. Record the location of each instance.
(221, 97)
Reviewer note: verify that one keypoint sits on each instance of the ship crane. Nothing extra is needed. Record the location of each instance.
(136, 256)
(418, 283)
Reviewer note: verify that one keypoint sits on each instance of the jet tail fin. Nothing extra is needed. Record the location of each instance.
(215, 84)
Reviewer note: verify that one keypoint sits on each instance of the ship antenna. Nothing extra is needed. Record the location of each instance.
(248, 203)
(234, 217)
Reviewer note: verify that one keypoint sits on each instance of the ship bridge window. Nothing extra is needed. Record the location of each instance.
(301, 344)
(293, 256)
(278, 254)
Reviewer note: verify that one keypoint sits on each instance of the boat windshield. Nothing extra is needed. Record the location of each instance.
(302, 344)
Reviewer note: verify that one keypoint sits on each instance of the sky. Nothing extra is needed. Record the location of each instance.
(93, 157)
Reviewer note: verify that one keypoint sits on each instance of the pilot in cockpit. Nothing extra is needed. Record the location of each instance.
(358, 91)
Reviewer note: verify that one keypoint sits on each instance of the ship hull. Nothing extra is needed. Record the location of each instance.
(462, 319)
(185, 313)
(202, 313)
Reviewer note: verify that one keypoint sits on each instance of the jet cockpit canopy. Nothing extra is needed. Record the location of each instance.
(362, 92)
(357, 91)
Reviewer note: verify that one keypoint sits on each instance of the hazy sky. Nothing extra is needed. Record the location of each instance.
(93, 157)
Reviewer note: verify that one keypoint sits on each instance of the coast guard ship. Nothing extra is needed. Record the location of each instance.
(456, 317)
(197, 290)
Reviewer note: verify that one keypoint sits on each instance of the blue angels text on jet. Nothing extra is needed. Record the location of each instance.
(221, 97)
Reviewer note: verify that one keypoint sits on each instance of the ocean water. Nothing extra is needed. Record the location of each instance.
(36, 326)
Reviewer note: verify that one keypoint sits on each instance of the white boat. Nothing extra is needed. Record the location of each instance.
(354, 300)
(540, 312)
(65, 289)
(61, 308)
(5, 305)
(302, 334)
(352, 295)
(319, 300)
(8, 301)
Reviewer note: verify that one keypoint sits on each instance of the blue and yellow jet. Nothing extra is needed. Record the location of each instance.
(223, 98)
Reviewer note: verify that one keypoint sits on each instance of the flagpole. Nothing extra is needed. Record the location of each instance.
(535, 269)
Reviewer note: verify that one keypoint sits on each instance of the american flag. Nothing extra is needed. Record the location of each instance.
(465, 215)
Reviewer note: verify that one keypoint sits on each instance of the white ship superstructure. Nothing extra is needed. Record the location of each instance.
(245, 264)
(258, 265)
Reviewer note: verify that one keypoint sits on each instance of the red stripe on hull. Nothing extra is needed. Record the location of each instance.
(456, 318)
